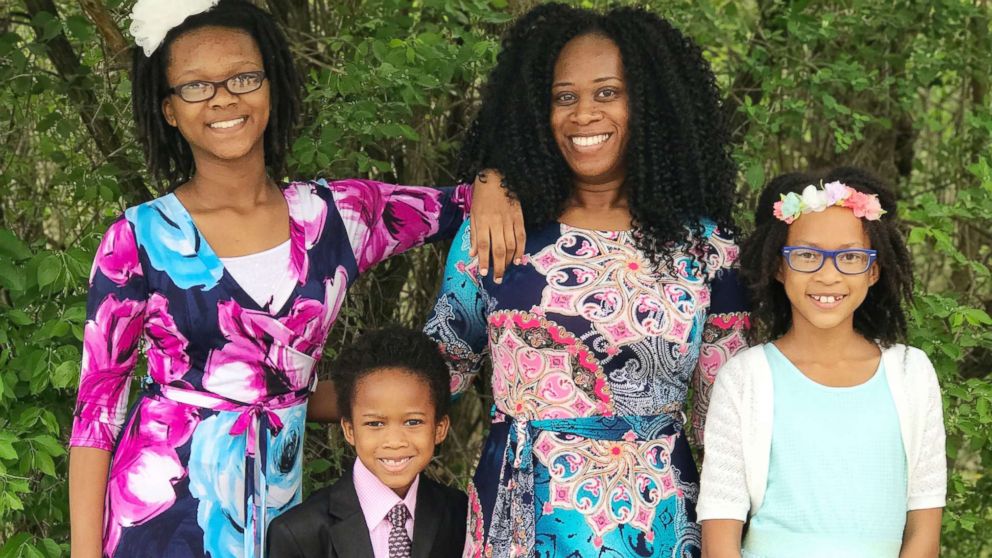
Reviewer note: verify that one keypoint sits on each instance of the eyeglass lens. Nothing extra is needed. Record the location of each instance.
(851, 262)
(239, 84)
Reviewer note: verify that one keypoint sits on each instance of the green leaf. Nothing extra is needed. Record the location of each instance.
(48, 270)
(7, 450)
(13, 246)
(64, 374)
(755, 176)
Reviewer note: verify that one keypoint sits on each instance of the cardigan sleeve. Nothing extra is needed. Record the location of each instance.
(928, 481)
(723, 492)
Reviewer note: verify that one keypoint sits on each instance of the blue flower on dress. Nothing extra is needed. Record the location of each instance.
(284, 476)
(166, 231)
(216, 479)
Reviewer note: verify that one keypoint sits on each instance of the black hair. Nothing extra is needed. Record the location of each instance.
(168, 154)
(392, 347)
(678, 164)
(880, 317)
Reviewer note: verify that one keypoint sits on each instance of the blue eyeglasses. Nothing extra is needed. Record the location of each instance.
(805, 259)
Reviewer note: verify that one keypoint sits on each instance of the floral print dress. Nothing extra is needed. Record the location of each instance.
(592, 357)
(211, 450)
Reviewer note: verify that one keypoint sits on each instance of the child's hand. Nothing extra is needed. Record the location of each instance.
(497, 225)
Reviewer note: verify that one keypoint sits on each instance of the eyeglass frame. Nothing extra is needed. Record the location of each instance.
(832, 255)
(217, 84)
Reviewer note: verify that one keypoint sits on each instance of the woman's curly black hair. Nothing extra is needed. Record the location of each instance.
(167, 152)
(678, 164)
(392, 347)
(880, 317)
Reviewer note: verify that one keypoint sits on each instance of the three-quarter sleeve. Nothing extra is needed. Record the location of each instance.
(458, 320)
(725, 329)
(115, 311)
(383, 220)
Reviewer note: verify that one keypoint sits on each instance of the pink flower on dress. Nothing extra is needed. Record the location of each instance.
(389, 219)
(168, 360)
(261, 346)
(110, 343)
(117, 256)
(145, 468)
(307, 216)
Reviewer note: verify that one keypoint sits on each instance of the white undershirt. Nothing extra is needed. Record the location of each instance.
(265, 275)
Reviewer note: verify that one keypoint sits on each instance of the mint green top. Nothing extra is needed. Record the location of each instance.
(837, 471)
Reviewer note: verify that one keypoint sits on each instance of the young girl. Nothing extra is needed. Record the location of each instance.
(233, 282)
(829, 437)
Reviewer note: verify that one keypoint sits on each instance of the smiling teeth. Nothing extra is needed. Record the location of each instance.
(827, 299)
(228, 123)
(586, 141)
(395, 461)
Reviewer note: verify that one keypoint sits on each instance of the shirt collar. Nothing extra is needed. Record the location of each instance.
(376, 498)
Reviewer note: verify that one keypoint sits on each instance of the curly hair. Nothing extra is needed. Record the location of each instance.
(880, 317)
(168, 154)
(678, 165)
(392, 347)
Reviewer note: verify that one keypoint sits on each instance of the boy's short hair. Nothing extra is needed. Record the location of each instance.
(392, 347)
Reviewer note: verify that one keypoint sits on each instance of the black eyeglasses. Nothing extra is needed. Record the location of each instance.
(201, 90)
(805, 259)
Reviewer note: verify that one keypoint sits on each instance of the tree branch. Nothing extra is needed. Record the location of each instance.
(114, 40)
(81, 94)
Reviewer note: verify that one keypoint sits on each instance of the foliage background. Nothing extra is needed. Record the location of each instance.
(899, 86)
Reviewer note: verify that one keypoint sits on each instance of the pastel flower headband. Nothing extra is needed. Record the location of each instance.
(793, 205)
(151, 20)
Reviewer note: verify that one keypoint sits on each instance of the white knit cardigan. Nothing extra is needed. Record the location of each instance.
(739, 433)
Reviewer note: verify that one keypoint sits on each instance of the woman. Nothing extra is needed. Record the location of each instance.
(608, 130)
(233, 281)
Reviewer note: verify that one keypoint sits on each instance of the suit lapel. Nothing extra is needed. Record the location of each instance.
(349, 533)
(427, 519)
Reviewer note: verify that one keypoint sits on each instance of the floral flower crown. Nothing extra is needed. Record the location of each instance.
(792, 205)
(151, 20)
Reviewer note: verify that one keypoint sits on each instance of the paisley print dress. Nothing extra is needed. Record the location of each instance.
(211, 449)
(592, 357)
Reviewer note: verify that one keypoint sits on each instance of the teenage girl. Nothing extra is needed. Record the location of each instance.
(828, 438)
(232, 281)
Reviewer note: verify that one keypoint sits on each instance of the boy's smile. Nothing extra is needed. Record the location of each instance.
(394, 427)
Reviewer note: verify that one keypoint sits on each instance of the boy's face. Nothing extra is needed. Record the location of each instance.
(393, 427)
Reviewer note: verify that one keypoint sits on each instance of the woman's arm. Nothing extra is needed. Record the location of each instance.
(115, 317)
(458, 322)
(722, 538)
(921, 538)
(88, 469)
(725, 330)
(383, 220)
(497, 225)
(323, 403)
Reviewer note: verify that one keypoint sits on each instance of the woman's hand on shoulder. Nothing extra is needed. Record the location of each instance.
(497, 225)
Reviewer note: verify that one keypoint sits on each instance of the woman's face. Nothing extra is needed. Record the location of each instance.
(589, 109)
(227, 127)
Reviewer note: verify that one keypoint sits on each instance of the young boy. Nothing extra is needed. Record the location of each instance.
(393, 391)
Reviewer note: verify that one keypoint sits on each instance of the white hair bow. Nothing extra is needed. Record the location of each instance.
(151, 20)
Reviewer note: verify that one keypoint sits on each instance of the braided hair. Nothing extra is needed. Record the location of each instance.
(880, 317)
(168, 154)
(678, 165)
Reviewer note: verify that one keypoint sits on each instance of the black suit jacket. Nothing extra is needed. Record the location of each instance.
(330, 524)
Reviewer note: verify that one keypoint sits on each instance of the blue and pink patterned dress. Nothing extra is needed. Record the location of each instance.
(592, 357)
(211, 450)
